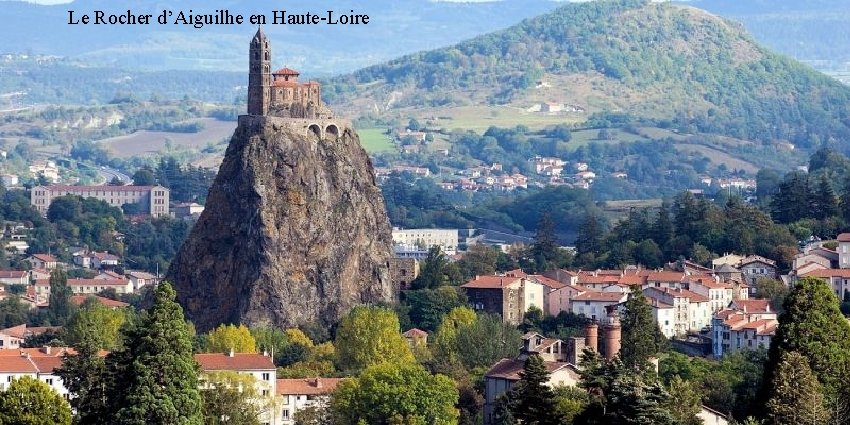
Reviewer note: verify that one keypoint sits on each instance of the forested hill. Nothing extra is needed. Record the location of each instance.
(661, 61)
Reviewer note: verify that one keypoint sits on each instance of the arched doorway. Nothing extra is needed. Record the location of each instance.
(332, 131)
(315, 129)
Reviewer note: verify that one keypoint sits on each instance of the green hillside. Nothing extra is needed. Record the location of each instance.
(674, 66)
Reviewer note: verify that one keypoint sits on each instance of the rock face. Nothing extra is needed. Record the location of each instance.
(294, 230)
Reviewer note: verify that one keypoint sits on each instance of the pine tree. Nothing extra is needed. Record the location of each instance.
(60, 308)
(639, 332)
(824, 204)
(84, 375)
(844, 203)
(545, 250)
(154, 378)
(590, 234)
(813, 326)
(534, 401)
(797, 395)
(662, 231)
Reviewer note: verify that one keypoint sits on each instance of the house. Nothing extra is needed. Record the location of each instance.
(12, 337)
(745, 325)
(712, 417)
(9, 180)
(103, 260)
(188, 210)
(294, 395)
(556, 355)
(86, 286)
(727, 272)
(664, 316)
(756, 267)
(556, 295)
(141, 279)
(509, 295)
(37, 363)
(43, 261)
(78, 300)
(730, 259)
(14, 277)
(260, 366)
(828, 258)
(691, 311)
(844, 251)
(592, 304)
(719, 294)
(838, 280)
(152, 200)
(416, 337)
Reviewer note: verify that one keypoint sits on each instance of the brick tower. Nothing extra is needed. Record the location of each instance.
(259, 75)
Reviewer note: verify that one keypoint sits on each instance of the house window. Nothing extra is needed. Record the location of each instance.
(284, 414)
(265, 393)
(49, 381)
(266, 376)
(286, 399)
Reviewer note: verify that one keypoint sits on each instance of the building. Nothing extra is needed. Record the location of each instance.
(9, 180)
(140, 279)
(79, 300)
(844, 251)
(691, 311)
(594, 304)
(43, 261)
(557, 295)
(756, 267)
(37, 363)
(14, 277)
(103, 260)
(294, 395)
(745, 325)
(85, 286)
(556, 355)
(509, 295)
(416, 337)
(188, 210)
(259, 366)
(151, 200)
(446, 239)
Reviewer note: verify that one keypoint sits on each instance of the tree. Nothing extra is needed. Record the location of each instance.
(824, 204)
(28, 401)
(640, 339)
(797, 395)
(370, 335)
(154, 378)
(773, 290)
(445, 339)
(479, 260)
(813, 326)
(684, 402)
(395, 393)
(545, 250)
(648, 254)
(231, 398)
(144, 177)
(428, 306)
(484, 342)
(590, 234)
(68, 208)
(271, 340)
(316, 414)
(60, 307)
(533, 397)
(436, 271)
(96, 323)
(662, 229)
(231, 337)
(793, 201)
(84, 376)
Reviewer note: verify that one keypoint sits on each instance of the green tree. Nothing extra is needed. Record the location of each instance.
(271, 340)
(84, 375)
(231, 398)
(445, 339)
(144, 177)
(60, 308)
(370, 335)
(395, 393)
(662, 229)
(824, 204)
(479, 260)
(486, 341)
(97, 323)
(773, 290)
(797, 395)
(28, 401)
(68, 208)
(428, 306)
(534, 400)
(590, 235)
(155, 376)
(640, 334)
(436, 271)
(648, 254)
(685, 402)
(231, 337)
(813, 326)
(545, 251)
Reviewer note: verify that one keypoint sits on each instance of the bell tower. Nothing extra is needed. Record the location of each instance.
(259, 74)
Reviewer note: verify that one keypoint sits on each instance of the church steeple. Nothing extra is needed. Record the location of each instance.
(259, 74)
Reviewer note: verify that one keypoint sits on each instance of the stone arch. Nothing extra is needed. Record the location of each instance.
(315, 129)
(332, 130)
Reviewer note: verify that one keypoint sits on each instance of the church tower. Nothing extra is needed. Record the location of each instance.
(259, 75)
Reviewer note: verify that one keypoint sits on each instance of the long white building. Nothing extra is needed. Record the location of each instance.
(153, 200)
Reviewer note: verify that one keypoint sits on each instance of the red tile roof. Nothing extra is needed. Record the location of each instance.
(87, 282)
(12, 274)
(15, 331)
(844, 237)
(510, 368)
(516, 273)
(17, 364)
(600, 296)
(47, 258)
(829, 273)
(282, 83)
(415, 333)
(239, 361)
(490, 282)
(39, 352)
(753, 306)
(664, 276)
(310, 386)
(68, 188)
(545, 281)
(286, 71)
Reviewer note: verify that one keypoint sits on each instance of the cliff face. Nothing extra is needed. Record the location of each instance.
(294, 231)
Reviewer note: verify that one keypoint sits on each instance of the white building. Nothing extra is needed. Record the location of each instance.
(259, 366)
(592, 304)
(153, 200)
(745, 325)
(294, 395)
(9, 180)
(844, 251)
(446, 239)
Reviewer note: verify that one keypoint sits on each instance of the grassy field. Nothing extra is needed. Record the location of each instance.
(479, 118)
(374, 140)
(152, 142)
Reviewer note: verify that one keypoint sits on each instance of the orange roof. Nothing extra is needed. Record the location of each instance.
(664, 276)
(510, 368)
(78, 300)
(631, 279)
(753, 306)
(45, 258)
(307, 386)
(829, 273)
(545, 281)
(87, 282)
(12, 274)
(415, 333)
(516, 273)
(490, 282)
(17, 364)
(47, 364)
(282, 83)
(239, 361)
(286, 71)
(39, 352)
(600, 296)
(844, 237)
(15, 331)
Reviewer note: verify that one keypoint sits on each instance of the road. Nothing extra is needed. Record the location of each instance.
(110, 173)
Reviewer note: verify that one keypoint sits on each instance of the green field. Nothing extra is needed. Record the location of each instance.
(374, 140)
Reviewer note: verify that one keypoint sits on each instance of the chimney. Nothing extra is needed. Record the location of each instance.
(46, 349)
(591, 336)
(318, 382)
(612, 335)
(230, 354)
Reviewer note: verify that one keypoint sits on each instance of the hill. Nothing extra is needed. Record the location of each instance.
(671, 65)
(395, 27)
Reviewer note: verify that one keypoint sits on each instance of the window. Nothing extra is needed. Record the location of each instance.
(265, 393)
(49, 381)
(286, 399)
(266, 376)
(284, 414)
